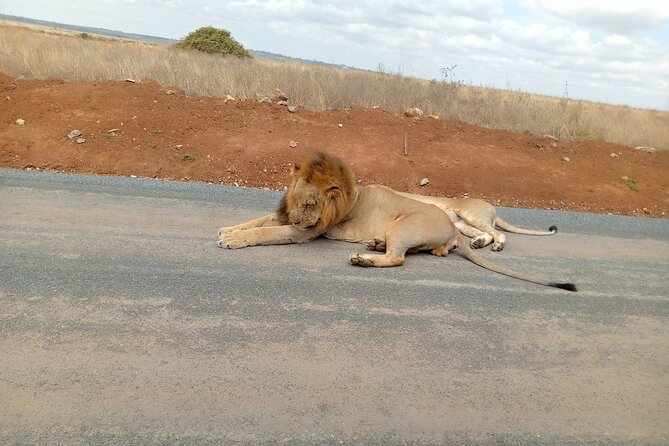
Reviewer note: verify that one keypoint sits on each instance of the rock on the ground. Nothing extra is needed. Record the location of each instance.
(80, 140)
(413, 112)
(279, 95)
(20, 121)
(292, 144)
(292, 108)
(424, 182)
(74, 134)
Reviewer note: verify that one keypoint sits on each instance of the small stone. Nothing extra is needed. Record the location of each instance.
(279, 95)
(413, 112)
(74, 134)
(170, 92)
(178, 146)
(80, 140)
(20, 121)
(625, 178)
(340, 125)
(132, 81)
(566, 158)
(282, 103)
(554, 138)
(113, 130)
(435, 117)
(645, 149)
(292, 144)
(553, 145)
(292, 108)
(8, 98)
(229, 98)
(265, 100)
(613, 155)
(424, 182)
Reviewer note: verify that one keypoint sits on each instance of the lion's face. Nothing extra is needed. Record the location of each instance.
(308, 204)
(321, 192)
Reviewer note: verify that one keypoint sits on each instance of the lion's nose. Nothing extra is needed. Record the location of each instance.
(295, 220)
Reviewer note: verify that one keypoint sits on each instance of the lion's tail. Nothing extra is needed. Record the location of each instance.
(480, 261)
(510, 228)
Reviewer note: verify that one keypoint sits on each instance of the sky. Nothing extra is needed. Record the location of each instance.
(611, 51)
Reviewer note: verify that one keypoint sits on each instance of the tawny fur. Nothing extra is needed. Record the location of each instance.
(324, 199)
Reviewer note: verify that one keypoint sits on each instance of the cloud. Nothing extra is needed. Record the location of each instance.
(613, 16)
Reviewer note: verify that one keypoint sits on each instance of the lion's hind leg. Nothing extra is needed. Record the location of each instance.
(479, 239)
(487, 231)
(410, 234)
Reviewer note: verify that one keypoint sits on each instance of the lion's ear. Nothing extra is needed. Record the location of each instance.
(333, 192)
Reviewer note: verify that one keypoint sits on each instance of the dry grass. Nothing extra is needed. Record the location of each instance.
(33, 53)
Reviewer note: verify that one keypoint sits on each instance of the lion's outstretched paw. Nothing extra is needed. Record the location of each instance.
(377, 245)
(478, 242)
(361, 260)
(497, 246)
(224, 230)
(233, 240)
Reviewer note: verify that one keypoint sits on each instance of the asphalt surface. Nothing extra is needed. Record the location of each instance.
(122, 322)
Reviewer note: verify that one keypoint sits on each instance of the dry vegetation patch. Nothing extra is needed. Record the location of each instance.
(28, 53)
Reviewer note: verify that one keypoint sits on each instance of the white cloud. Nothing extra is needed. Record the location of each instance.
(614, 16)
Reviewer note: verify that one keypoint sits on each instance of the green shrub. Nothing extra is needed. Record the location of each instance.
(213, 40)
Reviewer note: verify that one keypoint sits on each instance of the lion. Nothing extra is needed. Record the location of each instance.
(477, 219)
(323, 198)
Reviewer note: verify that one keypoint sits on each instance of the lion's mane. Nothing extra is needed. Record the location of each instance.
(335, 182)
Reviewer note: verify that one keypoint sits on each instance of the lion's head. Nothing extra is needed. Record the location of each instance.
(321, 192)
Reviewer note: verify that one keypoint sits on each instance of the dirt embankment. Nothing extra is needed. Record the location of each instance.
(160, 133)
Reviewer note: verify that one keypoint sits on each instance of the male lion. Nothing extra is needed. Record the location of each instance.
(324, 199)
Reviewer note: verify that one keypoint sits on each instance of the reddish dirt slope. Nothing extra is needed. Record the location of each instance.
(247, 143)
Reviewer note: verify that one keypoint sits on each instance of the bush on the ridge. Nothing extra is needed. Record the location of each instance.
(213, 41)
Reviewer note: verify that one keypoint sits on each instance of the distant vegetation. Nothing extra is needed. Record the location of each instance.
(46, 53)
(211, 40)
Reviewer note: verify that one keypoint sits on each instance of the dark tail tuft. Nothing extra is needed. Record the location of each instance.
(553, 229)
(565, 286)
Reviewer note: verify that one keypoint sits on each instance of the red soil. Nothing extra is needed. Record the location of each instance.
(247, 143)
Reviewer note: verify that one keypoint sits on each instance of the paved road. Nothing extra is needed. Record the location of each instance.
(122, 322)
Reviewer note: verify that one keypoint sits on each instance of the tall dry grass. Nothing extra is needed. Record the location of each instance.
(31, 53)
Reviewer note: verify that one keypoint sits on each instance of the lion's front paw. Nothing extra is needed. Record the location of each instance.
(224, 230)
(377, 245)
(361, 260)
(232, 240)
